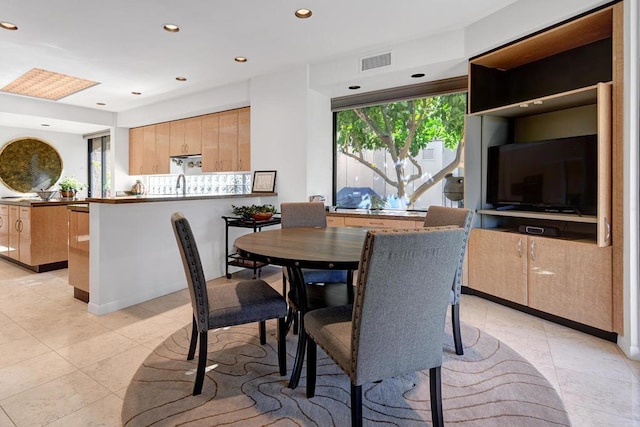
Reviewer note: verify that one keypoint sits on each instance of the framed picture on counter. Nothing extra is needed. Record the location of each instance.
(264, 182)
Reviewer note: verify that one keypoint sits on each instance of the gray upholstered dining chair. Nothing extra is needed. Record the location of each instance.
(387, 334)
(311, 214)
(438, 216)
(216, 306)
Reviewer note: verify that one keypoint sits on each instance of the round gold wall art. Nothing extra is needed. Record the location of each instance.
(29, 164)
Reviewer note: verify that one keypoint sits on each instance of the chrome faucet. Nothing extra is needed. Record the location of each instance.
(184, 184)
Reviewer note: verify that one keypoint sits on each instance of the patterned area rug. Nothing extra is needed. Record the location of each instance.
(489, 385)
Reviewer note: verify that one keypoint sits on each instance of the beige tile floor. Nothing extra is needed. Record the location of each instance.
(61, 366)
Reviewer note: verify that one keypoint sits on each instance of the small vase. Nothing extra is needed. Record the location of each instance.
(68, 194)
(138, 188)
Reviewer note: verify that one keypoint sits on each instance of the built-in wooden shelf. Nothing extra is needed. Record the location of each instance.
(555, 216)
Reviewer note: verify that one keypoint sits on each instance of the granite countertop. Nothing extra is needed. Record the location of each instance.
(79, 207)
(172, 198)
(37, 202)
(377, 213)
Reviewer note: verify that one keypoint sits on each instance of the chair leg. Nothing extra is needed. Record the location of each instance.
(296, 317)
(263, 332)
(194, 340)
(435, 386)
(202, 364)
(297, 364)
(350, 286)
(311, 367)
(282, 346)
(356, 405)
(455, 323)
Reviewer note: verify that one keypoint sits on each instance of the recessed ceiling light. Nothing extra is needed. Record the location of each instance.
(8, 26)
(181, 79)
(172, 28)
(354, 87)
(240, 59)
(417, 75)
(136, 93)
(101, 104)
(45, 125)
(303, 13)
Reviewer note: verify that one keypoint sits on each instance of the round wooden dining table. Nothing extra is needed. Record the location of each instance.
(330, 248)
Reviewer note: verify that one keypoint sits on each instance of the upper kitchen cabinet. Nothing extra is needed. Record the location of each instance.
(186, 137)
(226, 141)
(149, 149)
(210, 132)
(244, 139)
(162, 143)
(136, 151)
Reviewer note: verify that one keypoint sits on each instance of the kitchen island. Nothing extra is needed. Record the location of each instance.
(33, 232)
(133, 256)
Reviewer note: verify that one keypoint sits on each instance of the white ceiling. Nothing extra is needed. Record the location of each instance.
(121, 43)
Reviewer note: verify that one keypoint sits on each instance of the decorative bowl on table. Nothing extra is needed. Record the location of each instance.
(262, 216)
(46, 195)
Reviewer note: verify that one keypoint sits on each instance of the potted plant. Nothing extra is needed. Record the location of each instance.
(257, 212)
(69, 186)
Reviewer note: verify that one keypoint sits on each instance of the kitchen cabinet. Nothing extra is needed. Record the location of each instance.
(210, 134)
(186, 137)
(149, 149)
(567, 278)
(79, 253)
(228, 140)
(161, 148)
(136, 151)
(4, 229)
(19, 234)
(244, 139)
(37, 236)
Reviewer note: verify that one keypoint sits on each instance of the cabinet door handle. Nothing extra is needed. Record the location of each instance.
(240, 164)
(140, 170)
(607, 225)
(19, 225)
(532, 250)
(520, 248)
(1, 222)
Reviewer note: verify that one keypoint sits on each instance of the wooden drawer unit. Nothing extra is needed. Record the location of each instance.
(335, 221)
(354, 221)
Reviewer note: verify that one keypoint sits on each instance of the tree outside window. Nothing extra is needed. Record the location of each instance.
(397, 155)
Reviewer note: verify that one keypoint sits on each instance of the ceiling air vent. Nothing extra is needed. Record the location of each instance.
(377, 61)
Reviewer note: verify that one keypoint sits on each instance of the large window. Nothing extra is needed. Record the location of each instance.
(405, 154)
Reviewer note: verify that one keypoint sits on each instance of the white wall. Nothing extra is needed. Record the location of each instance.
(72, 149)
(279, 120)
(319, 126)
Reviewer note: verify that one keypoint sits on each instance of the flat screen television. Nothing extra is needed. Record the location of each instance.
(558, 175)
